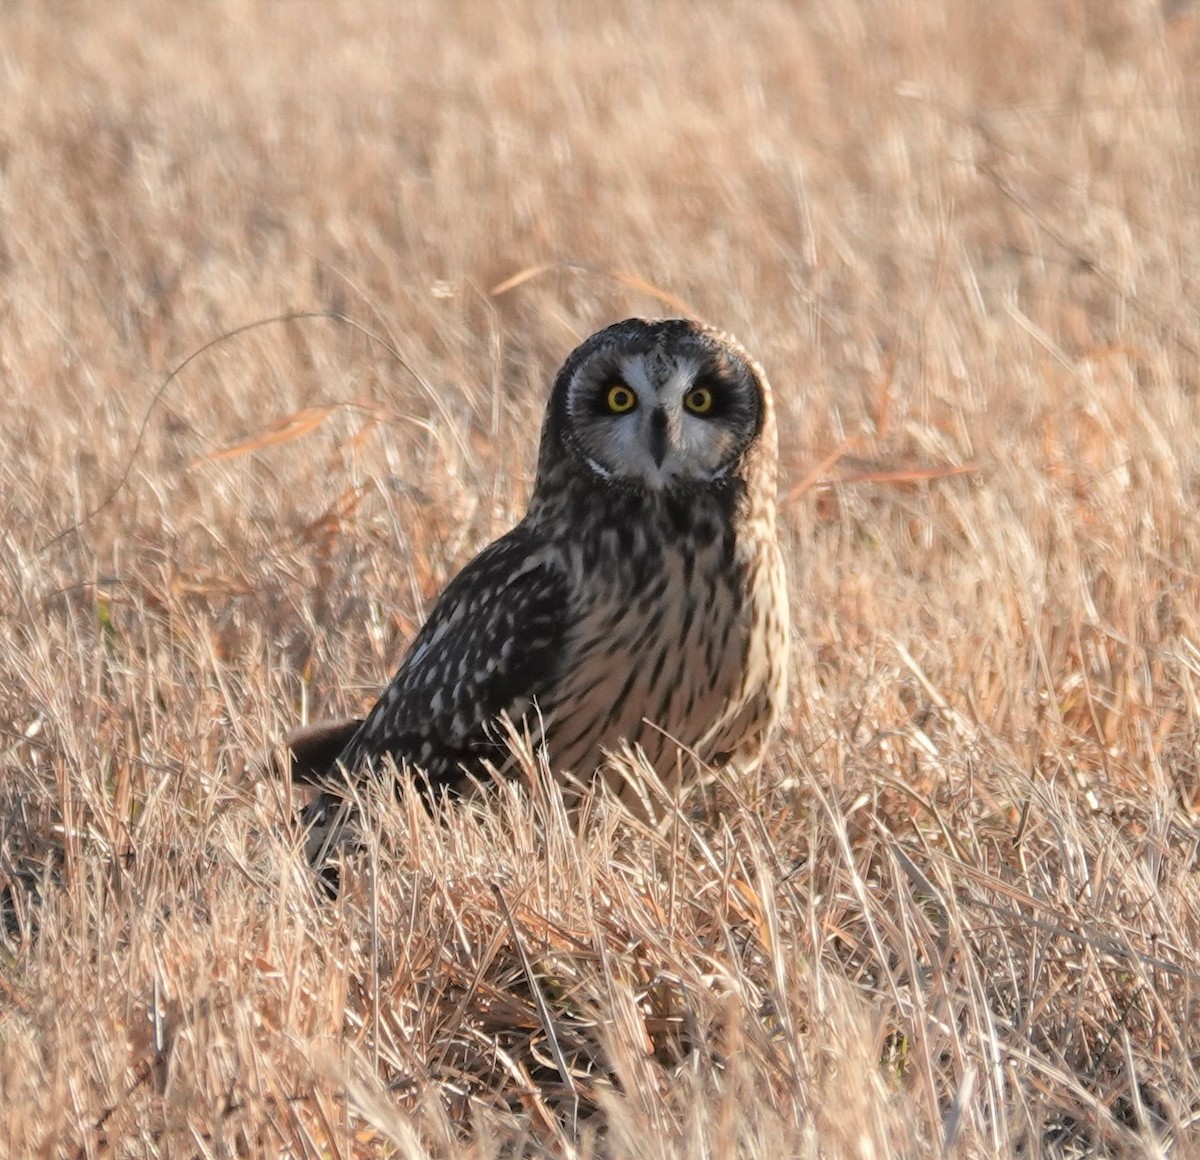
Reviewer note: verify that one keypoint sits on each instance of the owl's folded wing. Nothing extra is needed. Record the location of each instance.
(493, 644)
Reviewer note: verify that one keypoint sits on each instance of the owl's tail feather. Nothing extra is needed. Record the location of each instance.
(309, 754)
(328, 823)
(312, 749)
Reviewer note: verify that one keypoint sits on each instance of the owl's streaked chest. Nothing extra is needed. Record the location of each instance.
(668, 647)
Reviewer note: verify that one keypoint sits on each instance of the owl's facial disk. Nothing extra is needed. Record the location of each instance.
(660, 418)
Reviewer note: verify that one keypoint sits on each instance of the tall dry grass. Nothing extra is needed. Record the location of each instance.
(957, 914)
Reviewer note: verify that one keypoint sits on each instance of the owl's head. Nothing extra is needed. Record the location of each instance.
(655, 404)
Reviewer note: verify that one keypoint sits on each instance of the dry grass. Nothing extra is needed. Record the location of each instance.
(958, 915)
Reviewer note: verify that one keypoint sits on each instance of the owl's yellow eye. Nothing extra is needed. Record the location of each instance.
(699, 400)
(620, 399)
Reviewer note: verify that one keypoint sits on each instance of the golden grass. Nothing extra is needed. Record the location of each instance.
(958, 913)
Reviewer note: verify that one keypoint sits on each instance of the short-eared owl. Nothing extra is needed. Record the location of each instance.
(640, 602)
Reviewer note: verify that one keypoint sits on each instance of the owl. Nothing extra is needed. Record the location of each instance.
(639, 605)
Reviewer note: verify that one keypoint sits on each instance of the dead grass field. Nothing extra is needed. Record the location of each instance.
(958, 915)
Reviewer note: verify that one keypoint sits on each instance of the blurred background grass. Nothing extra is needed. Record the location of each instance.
(962, 239)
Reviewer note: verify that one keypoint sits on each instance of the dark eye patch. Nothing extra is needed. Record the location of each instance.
(600, 401)
(717, 387)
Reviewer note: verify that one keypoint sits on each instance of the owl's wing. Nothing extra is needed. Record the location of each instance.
(493, 644)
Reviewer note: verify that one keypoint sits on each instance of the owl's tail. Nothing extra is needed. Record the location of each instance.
(327, 822)
(309, 754)
(311, 750)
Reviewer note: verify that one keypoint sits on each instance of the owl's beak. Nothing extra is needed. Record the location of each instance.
(658, 436)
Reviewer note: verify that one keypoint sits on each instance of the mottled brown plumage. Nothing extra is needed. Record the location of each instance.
(640, 602)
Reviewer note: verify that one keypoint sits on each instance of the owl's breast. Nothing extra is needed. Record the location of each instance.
(676, 647)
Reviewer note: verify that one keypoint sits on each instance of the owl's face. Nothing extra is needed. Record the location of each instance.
(658, 404)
